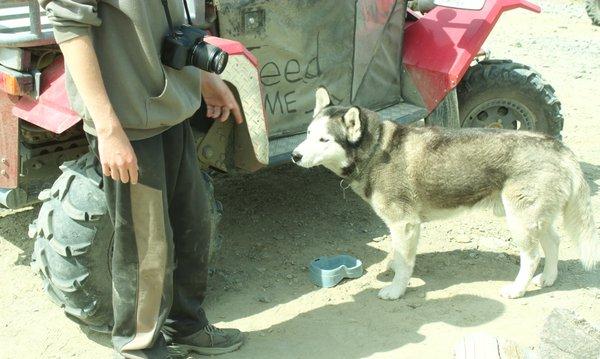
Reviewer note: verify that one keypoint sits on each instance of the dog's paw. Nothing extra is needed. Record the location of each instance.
(391, 292)
(541, 280)
(512, 291)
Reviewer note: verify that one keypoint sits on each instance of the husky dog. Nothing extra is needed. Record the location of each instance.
(412, 175)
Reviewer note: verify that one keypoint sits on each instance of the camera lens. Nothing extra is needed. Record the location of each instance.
(209, 58)
(220, 61)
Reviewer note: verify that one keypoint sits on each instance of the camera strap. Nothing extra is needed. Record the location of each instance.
(168, 13)
(187, 12)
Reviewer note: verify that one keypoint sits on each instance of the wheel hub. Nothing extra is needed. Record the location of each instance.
(501, 113)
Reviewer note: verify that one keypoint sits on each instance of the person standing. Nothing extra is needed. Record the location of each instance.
(136, 117)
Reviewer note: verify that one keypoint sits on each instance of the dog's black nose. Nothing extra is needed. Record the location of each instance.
(296, 157)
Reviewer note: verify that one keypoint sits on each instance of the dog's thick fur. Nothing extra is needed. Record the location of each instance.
(411, 175)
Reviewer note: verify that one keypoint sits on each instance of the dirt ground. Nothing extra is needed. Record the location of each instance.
(276, 221)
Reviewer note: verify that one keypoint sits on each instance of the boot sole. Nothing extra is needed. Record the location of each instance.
(211, 351)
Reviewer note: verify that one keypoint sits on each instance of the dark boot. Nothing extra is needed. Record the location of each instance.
(211, 341)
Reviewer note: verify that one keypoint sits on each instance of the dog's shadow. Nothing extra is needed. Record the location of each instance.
(441, 270)
(364, 327)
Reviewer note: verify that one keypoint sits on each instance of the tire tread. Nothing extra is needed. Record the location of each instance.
(496, 73)
(69, 241)
(592, 7)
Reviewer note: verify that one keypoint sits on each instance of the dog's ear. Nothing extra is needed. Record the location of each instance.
(322, 100)
(352, 122)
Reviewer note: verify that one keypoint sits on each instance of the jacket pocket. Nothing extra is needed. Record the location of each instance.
(179, 99)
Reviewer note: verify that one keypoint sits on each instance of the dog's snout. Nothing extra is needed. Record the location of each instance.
(296, 157)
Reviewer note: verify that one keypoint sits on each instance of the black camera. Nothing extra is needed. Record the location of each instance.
(185, 46)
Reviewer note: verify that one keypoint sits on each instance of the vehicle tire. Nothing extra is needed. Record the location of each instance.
(505, 94)
(73, 244)
(446, 113)
(593, 9)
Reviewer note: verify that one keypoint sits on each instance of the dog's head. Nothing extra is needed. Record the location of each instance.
(333, 131)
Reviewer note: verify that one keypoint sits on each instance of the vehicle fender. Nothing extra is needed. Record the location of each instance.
(51, 111)
(440, 45)
(251, 139)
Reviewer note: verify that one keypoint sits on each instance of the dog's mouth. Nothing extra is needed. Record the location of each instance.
(301, 160)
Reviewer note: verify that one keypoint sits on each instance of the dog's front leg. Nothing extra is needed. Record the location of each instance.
(405, 236)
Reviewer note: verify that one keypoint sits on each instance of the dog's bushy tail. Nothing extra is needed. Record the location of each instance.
(578, 219)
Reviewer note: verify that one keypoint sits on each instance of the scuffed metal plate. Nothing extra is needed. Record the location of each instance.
(242, 73)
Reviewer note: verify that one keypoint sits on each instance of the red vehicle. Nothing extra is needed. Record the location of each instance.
(408, 65)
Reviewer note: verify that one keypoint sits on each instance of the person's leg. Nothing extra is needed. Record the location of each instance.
(142, 254)
(192, 216)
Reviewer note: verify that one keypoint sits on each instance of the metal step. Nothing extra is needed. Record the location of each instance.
(280, 149)
(403, 113)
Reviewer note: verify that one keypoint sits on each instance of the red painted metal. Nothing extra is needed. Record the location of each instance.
(52, 110)
(231, 47)
(440, 45)
(9, 142)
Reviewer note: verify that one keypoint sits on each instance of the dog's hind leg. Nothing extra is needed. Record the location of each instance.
(405, 236)
(529, 220)
(529, 262)
(549, 242)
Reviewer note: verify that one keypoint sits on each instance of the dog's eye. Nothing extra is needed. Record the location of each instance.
(323, 139)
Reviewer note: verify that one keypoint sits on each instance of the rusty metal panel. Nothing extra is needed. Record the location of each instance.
(9, 143)
(15, 83)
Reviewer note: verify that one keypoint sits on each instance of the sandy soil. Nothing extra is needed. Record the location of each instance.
(278, 220)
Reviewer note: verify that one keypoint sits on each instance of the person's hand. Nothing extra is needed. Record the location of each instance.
(116, 155)
(219, 99)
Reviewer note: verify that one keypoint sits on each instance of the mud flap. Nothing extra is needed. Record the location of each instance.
(250, 140)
